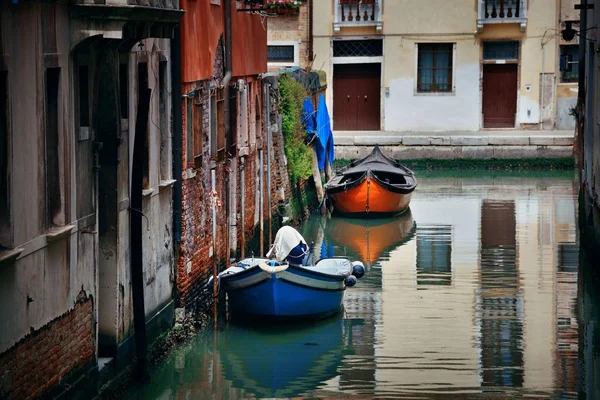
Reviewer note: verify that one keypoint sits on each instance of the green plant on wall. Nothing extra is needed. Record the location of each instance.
(299, 155)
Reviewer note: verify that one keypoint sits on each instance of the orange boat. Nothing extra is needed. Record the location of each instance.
(373, 186)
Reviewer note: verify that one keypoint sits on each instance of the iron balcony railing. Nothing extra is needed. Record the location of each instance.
(354, 13)
(502, 12)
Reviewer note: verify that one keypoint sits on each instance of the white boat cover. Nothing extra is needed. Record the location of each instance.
(286, 239)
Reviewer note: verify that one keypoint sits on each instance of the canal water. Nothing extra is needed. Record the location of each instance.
(479, 291)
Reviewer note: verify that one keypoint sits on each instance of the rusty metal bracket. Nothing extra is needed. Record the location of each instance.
(143, 215)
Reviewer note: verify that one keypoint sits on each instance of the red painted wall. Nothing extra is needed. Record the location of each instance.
(201, 27)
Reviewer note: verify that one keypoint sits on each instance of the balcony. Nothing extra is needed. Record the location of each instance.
(502, 12)
(130, 10)
(357, 13)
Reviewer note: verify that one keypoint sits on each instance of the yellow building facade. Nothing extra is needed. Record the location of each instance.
(434, 66)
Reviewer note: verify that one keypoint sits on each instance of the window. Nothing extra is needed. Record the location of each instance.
(569, 56)
(164, 122)
(434, 70)
(123, 89)
(5, 234)
(143, 84)
(53, 198)
(283, 53)
(84, 102)
(280, 53)
(257, 114)
(197, 132)
(217, 125)
(233, 110)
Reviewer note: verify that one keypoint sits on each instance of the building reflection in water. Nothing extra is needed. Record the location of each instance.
(475, 291)
(499, 302)
(567, 327)
(434, 255)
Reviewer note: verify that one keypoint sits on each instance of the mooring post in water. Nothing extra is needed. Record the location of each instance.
(261, 202)
(317, 179)
(135, 231)
(213, 178)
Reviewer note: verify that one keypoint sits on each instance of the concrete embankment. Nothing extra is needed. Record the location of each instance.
(501, 144)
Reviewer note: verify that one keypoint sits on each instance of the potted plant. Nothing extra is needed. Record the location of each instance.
(284, 6)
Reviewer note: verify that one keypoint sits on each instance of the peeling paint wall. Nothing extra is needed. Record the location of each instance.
(51, 270)
(80, 252)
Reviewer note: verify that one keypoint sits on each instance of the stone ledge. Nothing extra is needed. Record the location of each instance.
(550, 141)
(457, 152)
(10, 255)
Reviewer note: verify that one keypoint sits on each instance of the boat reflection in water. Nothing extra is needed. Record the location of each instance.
(370, 239)
(287, 360)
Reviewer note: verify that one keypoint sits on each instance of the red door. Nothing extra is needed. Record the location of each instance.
(499, 95)
(356, 97)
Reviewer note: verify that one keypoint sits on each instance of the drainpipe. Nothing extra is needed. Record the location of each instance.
(543, 84)
(243, 205)
(213, 187)
(177, 132)
(310, 32)
(269, 150)
(581, 89)
(226, 79)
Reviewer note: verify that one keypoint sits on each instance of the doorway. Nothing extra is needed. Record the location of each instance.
(500, 95)
(356, 97)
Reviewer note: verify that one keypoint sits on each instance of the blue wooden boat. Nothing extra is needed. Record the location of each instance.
(260, 287)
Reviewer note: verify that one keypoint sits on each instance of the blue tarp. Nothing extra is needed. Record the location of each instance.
(323, 146)
(309, 117)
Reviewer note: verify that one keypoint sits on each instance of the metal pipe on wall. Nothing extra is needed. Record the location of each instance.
(226, 110)
(243, 205)
(581, 90)
(269, 153)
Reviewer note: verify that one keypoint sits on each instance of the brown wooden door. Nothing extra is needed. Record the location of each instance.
(356, 97)
(499, 95)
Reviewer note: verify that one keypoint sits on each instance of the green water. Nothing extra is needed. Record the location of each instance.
(479, 291)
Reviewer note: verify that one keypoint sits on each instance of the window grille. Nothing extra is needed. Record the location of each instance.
(280, 53)
(501, 50)
(358, 48)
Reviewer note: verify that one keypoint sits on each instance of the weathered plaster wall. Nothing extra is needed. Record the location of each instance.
(45, 281)
(456, 22)
(407, 17)
(406, 110)
(566, 94)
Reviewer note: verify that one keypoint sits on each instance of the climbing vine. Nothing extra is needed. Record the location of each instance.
(299, 155)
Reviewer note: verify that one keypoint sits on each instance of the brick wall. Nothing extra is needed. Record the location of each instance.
(292, 28)
(194, 265)
(49, 355)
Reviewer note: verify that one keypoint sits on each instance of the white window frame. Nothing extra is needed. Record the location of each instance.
(294, 43)
(416, 77)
